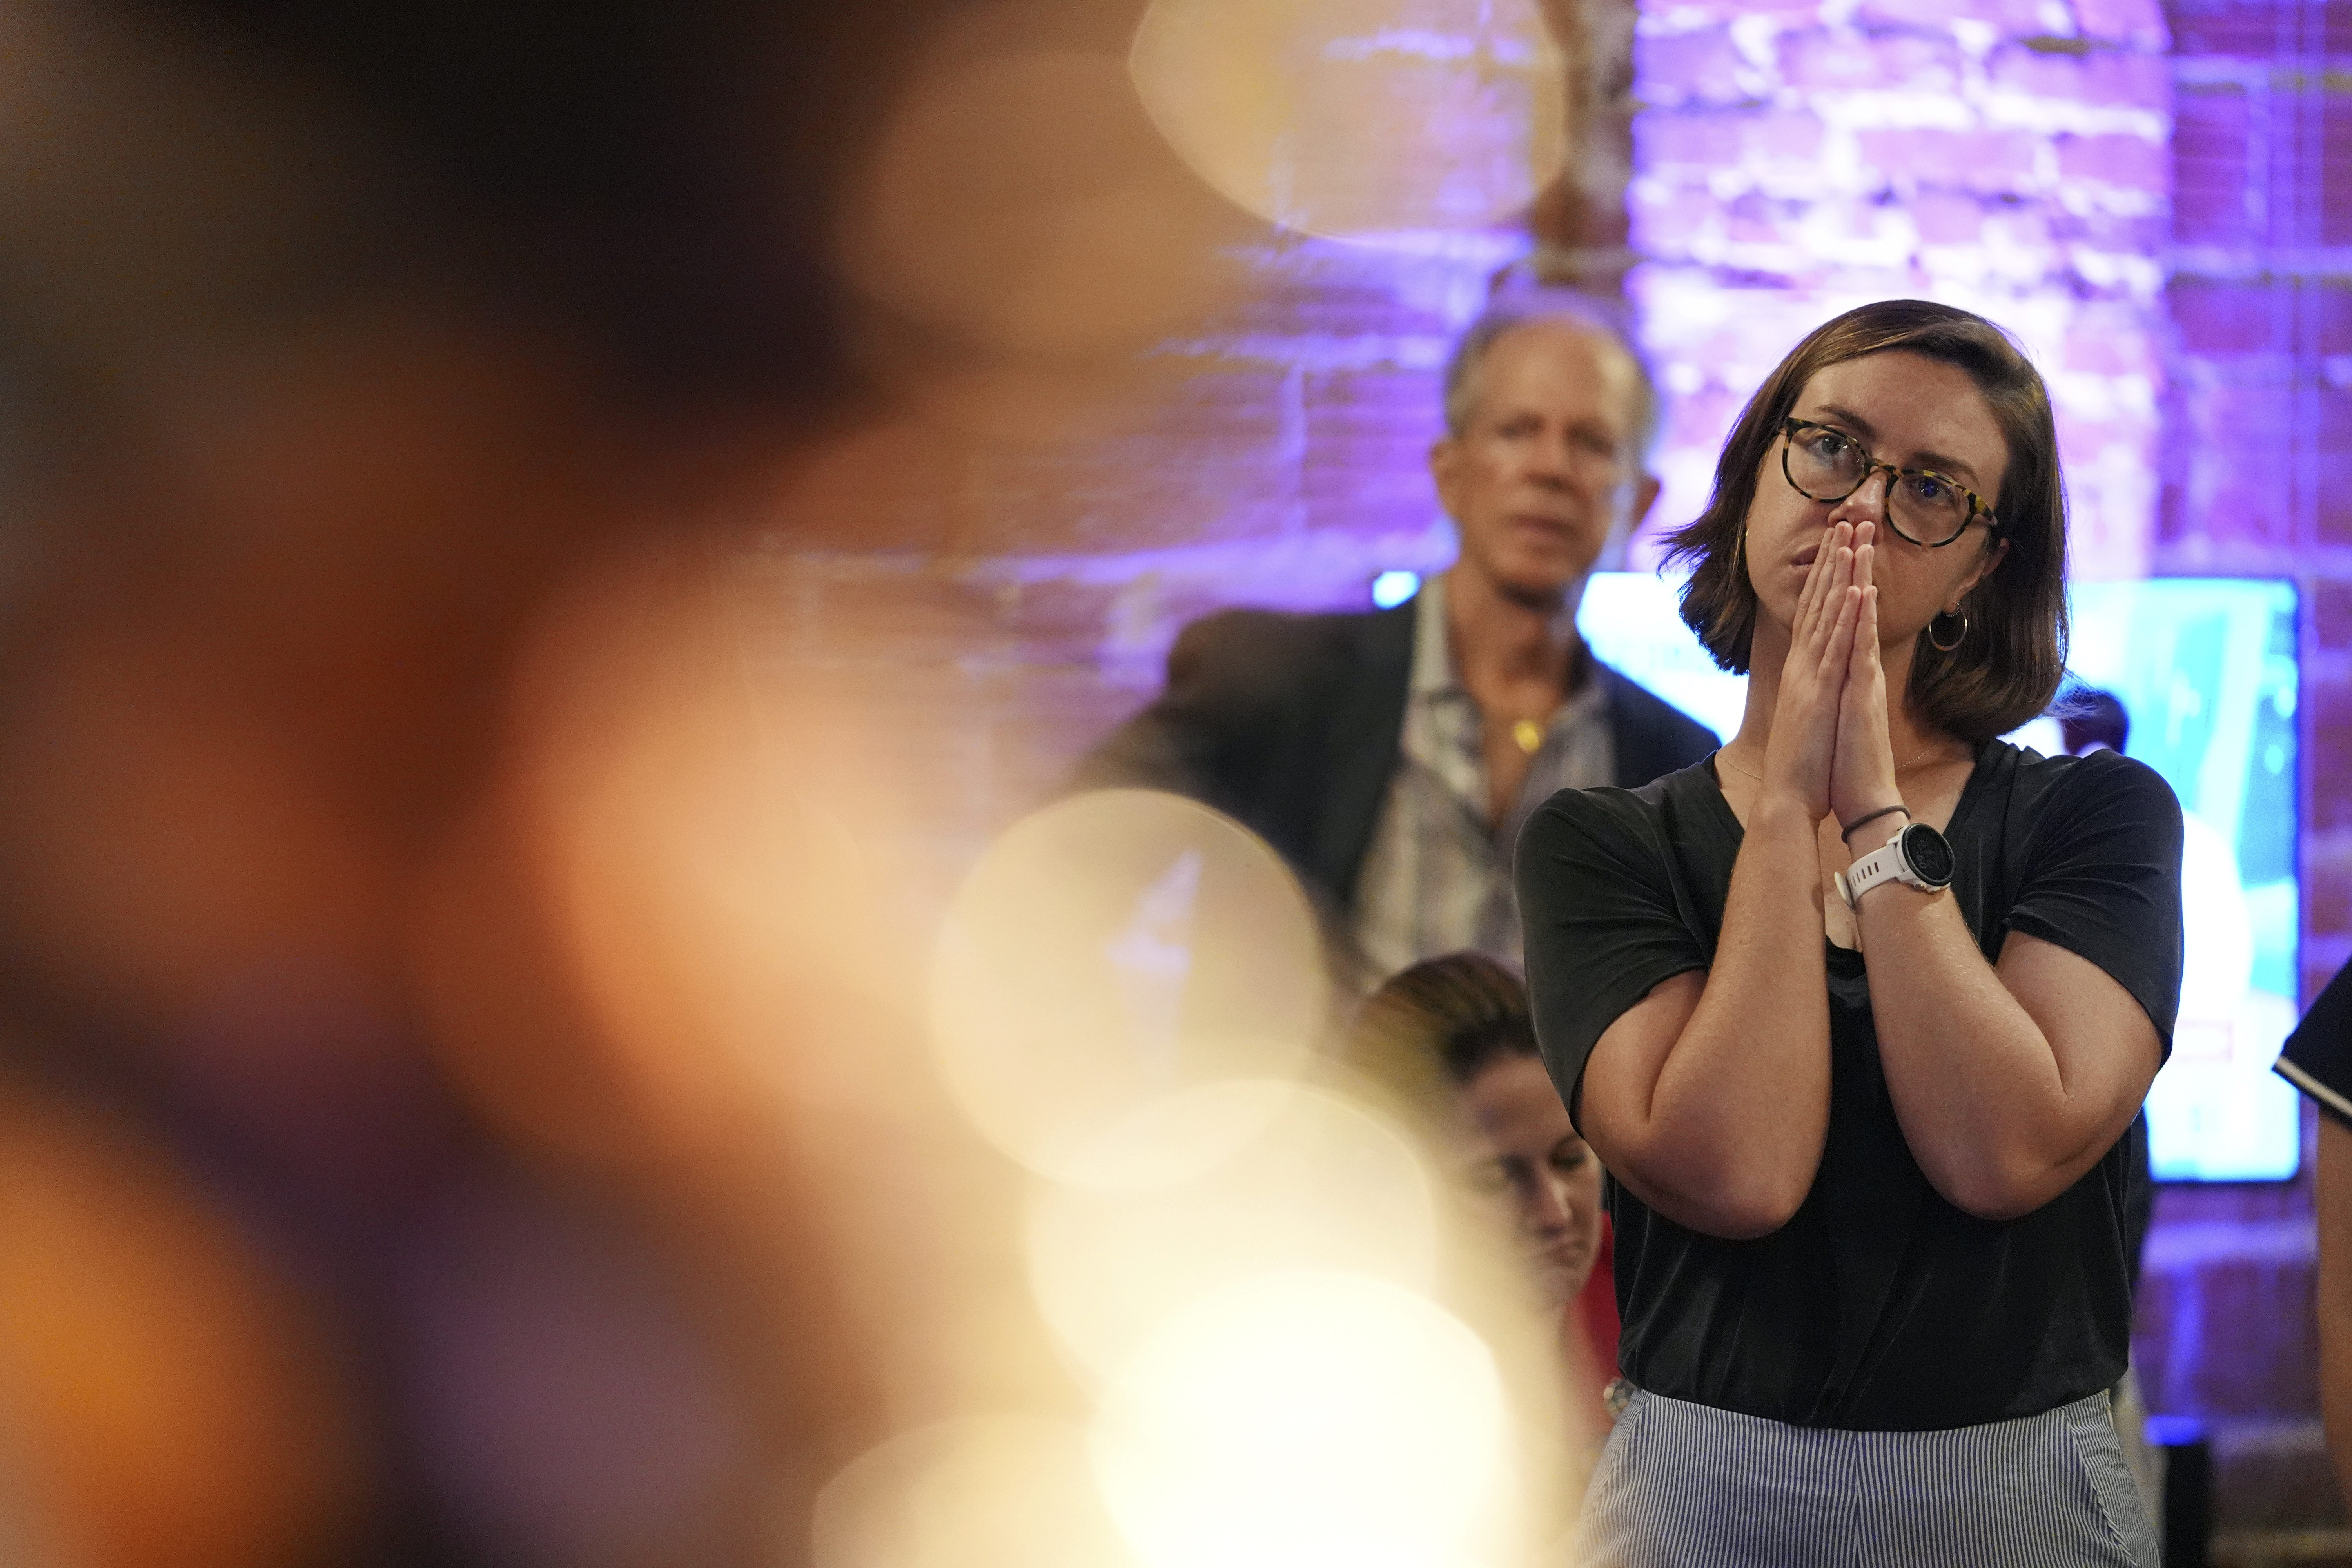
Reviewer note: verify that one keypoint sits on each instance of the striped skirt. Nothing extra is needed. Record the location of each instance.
(1687, 1485)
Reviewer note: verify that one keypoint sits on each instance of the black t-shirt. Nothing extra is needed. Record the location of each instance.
(2318, 1056)
(1879, 1306)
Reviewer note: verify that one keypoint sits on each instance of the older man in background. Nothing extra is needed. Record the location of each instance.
(1391, 756)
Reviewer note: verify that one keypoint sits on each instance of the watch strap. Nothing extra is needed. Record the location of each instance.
(1884, 864)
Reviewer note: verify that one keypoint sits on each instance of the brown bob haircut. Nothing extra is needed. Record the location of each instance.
(2008, 664)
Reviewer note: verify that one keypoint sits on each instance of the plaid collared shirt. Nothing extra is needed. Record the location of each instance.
(1437, 877)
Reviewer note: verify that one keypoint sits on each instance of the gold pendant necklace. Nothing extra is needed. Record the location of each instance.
(1530, 735)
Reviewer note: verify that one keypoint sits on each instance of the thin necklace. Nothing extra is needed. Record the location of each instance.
(1724, 757)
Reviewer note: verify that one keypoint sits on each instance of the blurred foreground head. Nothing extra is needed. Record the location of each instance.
(333, 341)
(463, 1095)
(421, 1135)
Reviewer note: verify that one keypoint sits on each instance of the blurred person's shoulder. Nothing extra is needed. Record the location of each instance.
(2317, 1057)
(1247, 629)
(1249, 648)
(1655, 738)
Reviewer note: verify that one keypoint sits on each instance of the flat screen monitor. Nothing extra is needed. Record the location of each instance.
(2205, 671)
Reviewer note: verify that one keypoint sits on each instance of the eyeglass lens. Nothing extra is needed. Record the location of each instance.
(1827, 465)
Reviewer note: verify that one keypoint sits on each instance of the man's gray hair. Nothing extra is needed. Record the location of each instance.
(1526, 306)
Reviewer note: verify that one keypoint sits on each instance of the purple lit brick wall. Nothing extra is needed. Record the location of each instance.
(2261, 409)
(1281, 461)
(1783, 161)
(2258, 427)
(1791, 160)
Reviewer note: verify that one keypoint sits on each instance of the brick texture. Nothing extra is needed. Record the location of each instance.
(2009, 155)
(2258, 431)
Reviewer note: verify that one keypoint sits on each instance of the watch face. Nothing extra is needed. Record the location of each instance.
(1930, 852)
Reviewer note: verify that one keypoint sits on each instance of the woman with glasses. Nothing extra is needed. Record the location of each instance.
(1859, 1013)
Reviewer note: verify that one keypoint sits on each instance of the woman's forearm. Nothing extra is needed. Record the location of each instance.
(2009, 1083)
(1727, 1132)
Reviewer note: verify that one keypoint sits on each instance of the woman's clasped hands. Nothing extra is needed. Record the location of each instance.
(1829, 746)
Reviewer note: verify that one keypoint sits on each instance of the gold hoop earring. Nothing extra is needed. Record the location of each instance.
(1960, 637)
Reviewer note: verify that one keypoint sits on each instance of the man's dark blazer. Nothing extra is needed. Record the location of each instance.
(1292, 724)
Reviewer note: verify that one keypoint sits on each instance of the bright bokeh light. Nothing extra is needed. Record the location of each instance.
(1106, 950)
(714, 912)
(1299, 1419)
(166, 1395)
(1021, 228)
(1359, 118)
(987, 1491)
(1269, 1176)
(1393, 587)
(1012, 200)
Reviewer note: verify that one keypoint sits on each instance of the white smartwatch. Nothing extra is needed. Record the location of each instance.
(1917, 857)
